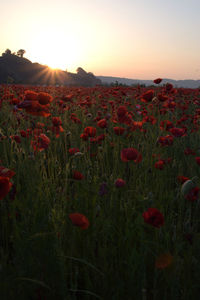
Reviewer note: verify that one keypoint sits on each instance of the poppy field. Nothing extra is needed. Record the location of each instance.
(99, 192)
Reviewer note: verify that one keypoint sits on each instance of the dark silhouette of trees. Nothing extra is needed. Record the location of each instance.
(81, 72)
(21, 52)
(14, 68)
(7, 52)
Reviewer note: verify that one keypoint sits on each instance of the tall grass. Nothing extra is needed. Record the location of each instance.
(44, 256)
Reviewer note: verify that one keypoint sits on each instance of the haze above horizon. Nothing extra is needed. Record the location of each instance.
(131, 39)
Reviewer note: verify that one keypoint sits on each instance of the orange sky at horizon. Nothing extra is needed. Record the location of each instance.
(134, 39)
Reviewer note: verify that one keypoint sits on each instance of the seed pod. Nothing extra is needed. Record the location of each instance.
(186, 187)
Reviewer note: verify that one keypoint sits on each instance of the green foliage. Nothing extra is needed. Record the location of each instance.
(44, 256)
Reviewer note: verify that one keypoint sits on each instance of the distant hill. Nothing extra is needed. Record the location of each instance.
(188, 83)
(15, 69)
(20, 70)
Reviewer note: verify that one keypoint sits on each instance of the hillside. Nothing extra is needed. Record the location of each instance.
(20, 70)
(15, 69)
(188, 83)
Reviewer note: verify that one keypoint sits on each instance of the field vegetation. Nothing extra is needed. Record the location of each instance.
(99, 192)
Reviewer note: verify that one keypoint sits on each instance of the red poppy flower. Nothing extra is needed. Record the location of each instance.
(120, 182)
(77, 175)
(157, 81)
(56, 121)
(44, 141)
(178, 132)
(168, 87)
(40, 125)
(102, 123)
(166, 140)
(30, 95)
(160, 164)
(14, 101)
(5, 186)
(93, 140)
(197, 160)
(153, 217)
(150, 119)
(90, 131)
(56, 130)
(34, 108)
(147, 96)
(169, 104)
(162, 97)
(100, 138)
(84, 136)
(128, 154)
(37, 131)
(79, 220)
(40, 142)
(121, 111)
(74, 118)
(44, 98)
(166, 125)
(182, 179)
(119, 130)
(16, 138)
(29, 132)
(67, 98)
(23, 133)
(73, 150)
(137, 125)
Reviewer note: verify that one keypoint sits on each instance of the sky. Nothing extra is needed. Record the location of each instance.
(140, 39)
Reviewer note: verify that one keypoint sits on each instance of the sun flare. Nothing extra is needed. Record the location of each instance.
(57, 49)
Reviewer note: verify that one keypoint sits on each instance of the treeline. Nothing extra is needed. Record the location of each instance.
(14, 68)
(19, 53)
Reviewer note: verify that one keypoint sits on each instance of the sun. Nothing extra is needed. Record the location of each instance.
(66, 57)
(57, 49)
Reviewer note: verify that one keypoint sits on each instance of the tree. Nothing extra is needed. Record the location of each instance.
(21, 52)
(81, 72)
(7, 52)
